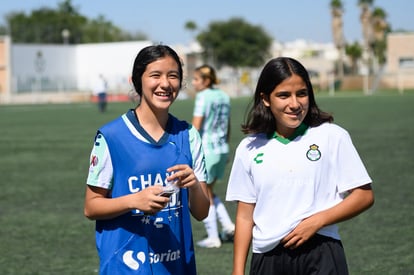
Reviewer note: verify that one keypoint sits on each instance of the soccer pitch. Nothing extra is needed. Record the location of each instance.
(44, 155)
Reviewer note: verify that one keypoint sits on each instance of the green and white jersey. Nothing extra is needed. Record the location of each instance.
(290, 180)
(214, 106)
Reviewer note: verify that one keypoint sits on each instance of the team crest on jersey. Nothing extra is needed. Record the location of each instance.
(313, 154)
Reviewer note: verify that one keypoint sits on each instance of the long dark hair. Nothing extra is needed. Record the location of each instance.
(259, 118)
(148, 55)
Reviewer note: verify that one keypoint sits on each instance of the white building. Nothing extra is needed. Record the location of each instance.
(64, 73)
(42, 68)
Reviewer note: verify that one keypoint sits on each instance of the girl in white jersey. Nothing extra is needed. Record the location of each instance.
(211, 117)
(294, 177)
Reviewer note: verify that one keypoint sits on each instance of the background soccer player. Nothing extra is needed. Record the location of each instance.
(211, 116)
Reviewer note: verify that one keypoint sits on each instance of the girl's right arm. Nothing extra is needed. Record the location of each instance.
(97, 204)
(242, 236)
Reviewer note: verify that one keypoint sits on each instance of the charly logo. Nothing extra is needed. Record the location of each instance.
(258, 158)
(313, 154)
(131, 262)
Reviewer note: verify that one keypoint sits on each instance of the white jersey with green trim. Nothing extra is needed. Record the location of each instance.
(289, 181)
(214, 106)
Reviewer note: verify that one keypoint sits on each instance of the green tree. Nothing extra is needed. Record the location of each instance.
(3, 30)
(235, 43)
(191, 26)
(47, 25)
(354, 52)
(102, 30)
(380, 29)
(366, 22)
(374, 29)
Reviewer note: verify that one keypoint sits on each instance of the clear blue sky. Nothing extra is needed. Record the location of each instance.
(164, 20)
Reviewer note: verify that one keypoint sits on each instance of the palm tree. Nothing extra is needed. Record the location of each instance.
(366, 22)
(337, 31)
(191, 26)
(354, 52)
(380, 28)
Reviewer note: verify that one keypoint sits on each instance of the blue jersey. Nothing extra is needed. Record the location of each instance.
(135, 243)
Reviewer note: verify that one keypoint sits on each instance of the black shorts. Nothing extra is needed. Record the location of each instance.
(319, 255)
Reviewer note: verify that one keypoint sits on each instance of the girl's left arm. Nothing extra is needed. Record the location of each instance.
(198, 198)
(358, 200)
(199, 201)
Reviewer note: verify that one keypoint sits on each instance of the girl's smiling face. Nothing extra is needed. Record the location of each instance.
(289, 104)
(161, 82)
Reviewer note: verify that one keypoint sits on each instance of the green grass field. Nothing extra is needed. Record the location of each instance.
(44, 155)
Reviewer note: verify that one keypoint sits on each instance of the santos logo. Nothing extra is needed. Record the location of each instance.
(134, 263)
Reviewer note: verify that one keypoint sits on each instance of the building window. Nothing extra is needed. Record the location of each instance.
(406, 62)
